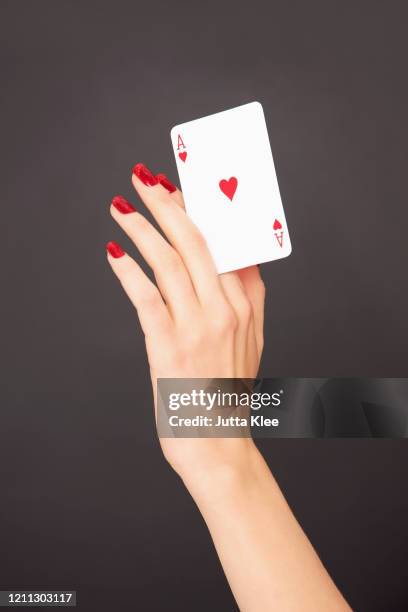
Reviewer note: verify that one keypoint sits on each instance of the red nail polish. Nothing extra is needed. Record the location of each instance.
(163, 180)
(143, 173)
(115, 250)
(122, 205)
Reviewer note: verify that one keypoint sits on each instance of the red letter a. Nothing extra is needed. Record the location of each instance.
(180, 143)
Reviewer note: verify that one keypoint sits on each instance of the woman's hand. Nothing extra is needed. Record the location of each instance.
(197, 324)
(201, 325)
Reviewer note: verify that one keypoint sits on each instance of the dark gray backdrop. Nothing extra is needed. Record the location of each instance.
(89, 89)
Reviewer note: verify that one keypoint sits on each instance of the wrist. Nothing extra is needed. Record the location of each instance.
(235, 468)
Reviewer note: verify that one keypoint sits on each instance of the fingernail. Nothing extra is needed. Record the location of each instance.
(115, 250)
(122, 205)
(163, 180)
(143, 173)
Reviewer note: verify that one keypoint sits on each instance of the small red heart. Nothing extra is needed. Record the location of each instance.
(277, 225)
(183, 156)
(229, 187)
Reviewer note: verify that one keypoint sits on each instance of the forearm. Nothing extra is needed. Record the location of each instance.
(269, 562)
(201, 324)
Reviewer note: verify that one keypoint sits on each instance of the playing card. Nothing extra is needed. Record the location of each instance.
(230, 187)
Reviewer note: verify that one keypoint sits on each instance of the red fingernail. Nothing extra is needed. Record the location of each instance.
(115, 250)
(163, 180)
(143, 173)
(122, 205)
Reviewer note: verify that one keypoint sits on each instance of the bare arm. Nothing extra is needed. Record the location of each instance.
(198, 324)
(269, 562)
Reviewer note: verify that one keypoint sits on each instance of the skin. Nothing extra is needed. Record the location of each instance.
(199, 324)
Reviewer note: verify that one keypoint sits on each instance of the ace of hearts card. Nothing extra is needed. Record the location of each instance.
(230, 188)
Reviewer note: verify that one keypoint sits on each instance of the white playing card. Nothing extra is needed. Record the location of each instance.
(230, 188)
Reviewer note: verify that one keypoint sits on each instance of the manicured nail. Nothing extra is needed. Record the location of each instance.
(122, 205)
(115, 250)
(143, 173)
(163, 180)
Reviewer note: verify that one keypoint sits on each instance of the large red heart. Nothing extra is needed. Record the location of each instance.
(277, 225)
(183, 156)
(229, 187)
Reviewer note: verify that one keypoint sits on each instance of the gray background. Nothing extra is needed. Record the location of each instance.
(89, 89)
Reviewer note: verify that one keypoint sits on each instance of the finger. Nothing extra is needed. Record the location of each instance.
(254, 288)
(144, 295)
(234, 291)
(244, 337)
(181, 233)
(171, 275)
(175, 193)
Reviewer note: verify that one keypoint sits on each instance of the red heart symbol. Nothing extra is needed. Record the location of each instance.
(183, 156)
(277, 225)
(229, 187)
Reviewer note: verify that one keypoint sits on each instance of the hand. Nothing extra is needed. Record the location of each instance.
(197, 324)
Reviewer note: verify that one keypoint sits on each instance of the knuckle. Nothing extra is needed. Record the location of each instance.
(172, 261)
(226, 321)
(137, 220)
(188, 345)
(162, 199)
(197, 240)
(244, 310)
(193, 340)
(149, 299)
